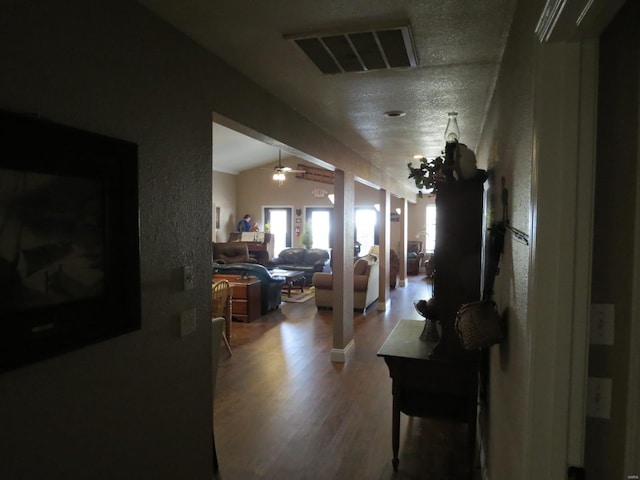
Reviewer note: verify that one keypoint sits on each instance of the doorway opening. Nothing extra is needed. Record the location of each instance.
(366, 234)
(280, 225)
(320, 219)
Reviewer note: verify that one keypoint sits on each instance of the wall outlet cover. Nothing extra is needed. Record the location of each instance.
(187, 322)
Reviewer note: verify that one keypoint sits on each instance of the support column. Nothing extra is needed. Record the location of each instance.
(404, 217)
(342, 266)
(384, 239)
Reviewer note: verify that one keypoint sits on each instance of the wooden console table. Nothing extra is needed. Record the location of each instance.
(428, 387)
(245, 296)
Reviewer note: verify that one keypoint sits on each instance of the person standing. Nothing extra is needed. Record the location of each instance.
(244, 225)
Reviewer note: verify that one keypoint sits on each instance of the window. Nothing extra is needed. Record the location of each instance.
(366, 229)
(430, 228)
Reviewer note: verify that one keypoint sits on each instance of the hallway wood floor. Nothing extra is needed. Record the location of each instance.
(283, 410)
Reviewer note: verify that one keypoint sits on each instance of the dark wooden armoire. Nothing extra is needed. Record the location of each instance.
(439, 379)
(458, 259)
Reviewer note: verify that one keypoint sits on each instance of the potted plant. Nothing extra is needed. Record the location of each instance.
(458, 163)
(306, 238)
(426, 174)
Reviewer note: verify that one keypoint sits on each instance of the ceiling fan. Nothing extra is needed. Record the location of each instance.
(280, 170)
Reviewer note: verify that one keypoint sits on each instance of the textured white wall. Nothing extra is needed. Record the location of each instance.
(507, 147)
(137, 406)
(224, 196)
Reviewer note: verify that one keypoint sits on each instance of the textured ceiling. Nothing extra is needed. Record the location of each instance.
(459, 46)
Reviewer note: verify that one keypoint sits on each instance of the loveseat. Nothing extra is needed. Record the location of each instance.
(366, 279)
(270, 285)
(307, 260)
(231, 252)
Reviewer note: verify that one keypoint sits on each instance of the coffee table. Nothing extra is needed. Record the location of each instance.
(292, 279)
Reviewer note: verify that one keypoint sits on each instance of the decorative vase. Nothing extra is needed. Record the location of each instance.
(427, 310)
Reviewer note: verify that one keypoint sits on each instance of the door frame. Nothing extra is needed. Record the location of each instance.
(563, 179)
(632, 442)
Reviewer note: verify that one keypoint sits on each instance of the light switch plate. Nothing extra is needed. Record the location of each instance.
(599, 397)
(602, 325)
(187, 271)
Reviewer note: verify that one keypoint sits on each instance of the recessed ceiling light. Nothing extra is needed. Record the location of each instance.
(395, 113)
(418, 156)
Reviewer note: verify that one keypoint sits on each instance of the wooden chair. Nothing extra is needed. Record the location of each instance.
(221, 307)
(217, 324)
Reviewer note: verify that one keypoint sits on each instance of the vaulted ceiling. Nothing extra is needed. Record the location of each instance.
(458, 47)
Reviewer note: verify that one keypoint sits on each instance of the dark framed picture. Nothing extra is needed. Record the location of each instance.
(69, 239)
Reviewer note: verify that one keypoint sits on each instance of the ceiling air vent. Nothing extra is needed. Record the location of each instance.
(361, 51)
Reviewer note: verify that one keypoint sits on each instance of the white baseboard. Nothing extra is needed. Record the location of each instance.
(342, 355)
(384, 306)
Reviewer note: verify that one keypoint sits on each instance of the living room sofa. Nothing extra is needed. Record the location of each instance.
(270, 285)
(366, 280)
(307, 260)
(231, 252)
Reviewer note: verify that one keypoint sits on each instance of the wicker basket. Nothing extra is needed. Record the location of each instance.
(479, 325)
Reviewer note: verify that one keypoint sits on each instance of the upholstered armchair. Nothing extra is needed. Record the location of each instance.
(394, 264)
(414, 256)
(365, 284)
(231, 252)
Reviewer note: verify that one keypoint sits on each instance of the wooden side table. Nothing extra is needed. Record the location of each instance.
(427, 387)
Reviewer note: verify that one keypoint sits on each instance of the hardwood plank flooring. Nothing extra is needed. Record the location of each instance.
(283, 410)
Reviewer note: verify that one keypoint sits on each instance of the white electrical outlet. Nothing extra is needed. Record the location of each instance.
(602, 325)
(187, 272)
(599, 397)
(187, 322)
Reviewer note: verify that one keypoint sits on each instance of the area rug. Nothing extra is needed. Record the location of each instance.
(299, 297)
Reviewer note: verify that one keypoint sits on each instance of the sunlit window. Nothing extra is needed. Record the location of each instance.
(321, 228)
(278, 222)
(279, 227)
(430, 228)
(366, 219)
